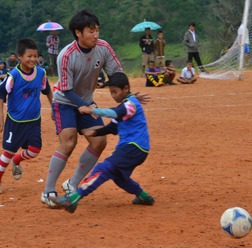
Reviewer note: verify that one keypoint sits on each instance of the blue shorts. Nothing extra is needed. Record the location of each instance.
(125, 158)
(67, 116)
(247, 48)
(22, 135)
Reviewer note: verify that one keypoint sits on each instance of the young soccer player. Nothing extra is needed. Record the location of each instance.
(22, 128)
(128, 120)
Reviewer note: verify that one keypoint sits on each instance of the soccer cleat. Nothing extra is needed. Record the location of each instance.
(150, 201)
(16, 171)
(68, 188)
(45, 199)
(65, 202)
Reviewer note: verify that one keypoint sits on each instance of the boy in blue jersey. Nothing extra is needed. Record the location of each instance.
(22, 128)
(128, 120)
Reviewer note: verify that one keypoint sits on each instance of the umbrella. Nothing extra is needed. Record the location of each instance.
(49, 26)
(140, 27)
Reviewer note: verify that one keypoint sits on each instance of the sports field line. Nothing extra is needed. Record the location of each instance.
(199, 107)
(191, 97)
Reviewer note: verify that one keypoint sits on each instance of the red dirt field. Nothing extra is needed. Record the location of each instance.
(200, 164)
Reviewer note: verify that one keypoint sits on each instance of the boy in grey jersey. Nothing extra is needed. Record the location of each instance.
(79, 66)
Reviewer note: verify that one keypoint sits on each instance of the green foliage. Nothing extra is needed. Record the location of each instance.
(216, 22)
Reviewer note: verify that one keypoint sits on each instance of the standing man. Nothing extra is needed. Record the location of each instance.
(159, 46)
(147, 45)
(79, 66)
(245, 32)
(191, 40)
(52, 42)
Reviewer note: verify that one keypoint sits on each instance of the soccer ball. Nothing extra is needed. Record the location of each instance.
(236, 222)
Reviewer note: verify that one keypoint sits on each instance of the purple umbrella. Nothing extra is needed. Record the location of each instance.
(49, 26)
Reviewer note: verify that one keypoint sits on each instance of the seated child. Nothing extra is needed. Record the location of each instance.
(188, 74)
(3, 70)
(154, 76)
(169, 72)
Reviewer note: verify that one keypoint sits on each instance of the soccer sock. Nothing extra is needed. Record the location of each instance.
(152, 80)
(4, 161)
(56, 166)
(75, 197)
(161, 78)
(29, 153)
(143, 195)
(86, 162)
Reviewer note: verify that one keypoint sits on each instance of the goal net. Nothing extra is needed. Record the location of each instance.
(231, 65)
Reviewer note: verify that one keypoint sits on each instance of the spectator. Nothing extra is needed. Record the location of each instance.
(191, 40)
(3, 70)
(42, 63)
(159, 46)
(154, 76)
(188, 74)
(169, 73)
(147, 45)
(246, 42)
(52, 42)
(11, 62)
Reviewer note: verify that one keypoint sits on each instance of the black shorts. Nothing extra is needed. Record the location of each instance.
(21, 135)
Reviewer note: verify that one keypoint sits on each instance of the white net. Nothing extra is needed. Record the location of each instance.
(231, 65)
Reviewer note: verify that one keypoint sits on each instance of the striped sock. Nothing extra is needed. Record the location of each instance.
(4, 161)
(29, 153)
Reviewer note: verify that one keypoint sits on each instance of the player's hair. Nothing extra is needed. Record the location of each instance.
(188, 62)
(25, 44)
(82, 19)
(151, 62)
(118, 79)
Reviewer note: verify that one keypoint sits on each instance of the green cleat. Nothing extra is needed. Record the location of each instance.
(66, 203)
(150, 201)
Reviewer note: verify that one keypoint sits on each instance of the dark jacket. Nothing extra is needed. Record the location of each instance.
(146, 48)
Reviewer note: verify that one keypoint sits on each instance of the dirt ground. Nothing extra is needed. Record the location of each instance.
(200, 164)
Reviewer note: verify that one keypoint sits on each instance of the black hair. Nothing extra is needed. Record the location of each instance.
(168, 62)
(118, 79)
(160, 31)
(192, 24)
(189, 61)
(25, 44)
(82, 19)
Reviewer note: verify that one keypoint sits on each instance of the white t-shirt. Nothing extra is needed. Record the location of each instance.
(187, 74)
(240, 32)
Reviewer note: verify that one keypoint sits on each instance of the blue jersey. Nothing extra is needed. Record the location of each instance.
(128, 121)
(132, 125)
(24, 94)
